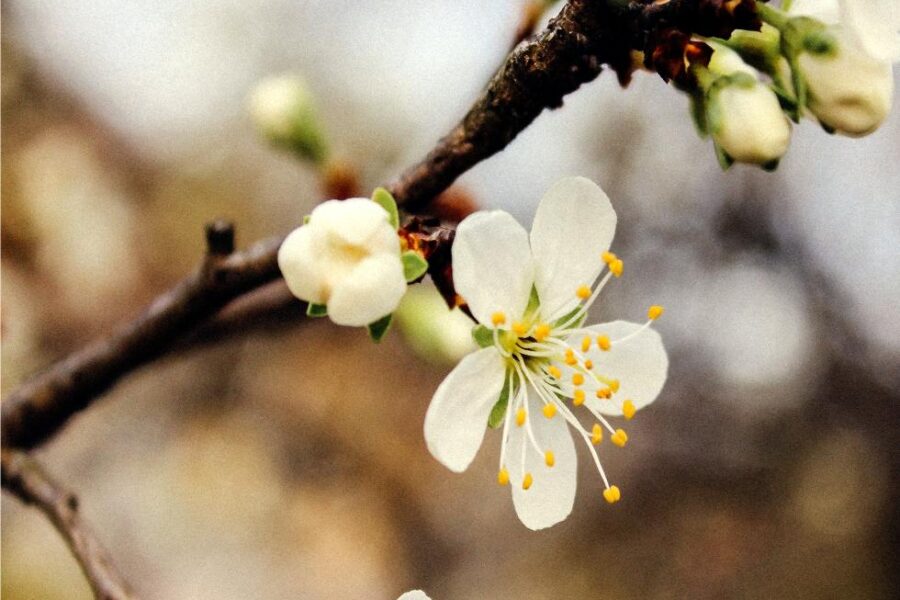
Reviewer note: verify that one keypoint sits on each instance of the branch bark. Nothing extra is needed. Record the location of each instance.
(535, 76)
(24, 478)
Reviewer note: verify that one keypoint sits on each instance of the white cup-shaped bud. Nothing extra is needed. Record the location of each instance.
(849, 90)
(347, 257)
(284, 111)
(750, 125)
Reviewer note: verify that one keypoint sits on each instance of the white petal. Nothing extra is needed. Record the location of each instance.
(414, 595)
(371, 290)
(458, 413)
(640, 364)
(826, 11)
(550, 498)
(573, 226)
(299, 261)
(353, 221)
(492, 267)
(874, 25)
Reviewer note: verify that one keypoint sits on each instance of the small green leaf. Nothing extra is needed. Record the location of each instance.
(483, 336)
(305, 219)
(383, 198)
(379, 328)
(414, 266)
(725, 161)
(499, 411)
(316, 310)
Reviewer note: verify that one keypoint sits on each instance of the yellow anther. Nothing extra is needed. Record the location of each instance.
(578, 398)
(554, 371)
(577, 378)
(503, 476)
(608, 257)
(519, 329)
(498, 318)
(619, 438)
(616, 267)
(585, 344)
(613, 385)
(628, 410)
(604, 393)
(549, 458)
(596, 434)
(583, 292)
(527, 481)
(571, 360)
(541, 332)
(588, 364)
(655, 312)
(612, 494)
(603, 342)
(520, 417)
(549, 410)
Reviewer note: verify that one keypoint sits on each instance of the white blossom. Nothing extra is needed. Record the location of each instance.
(530, 296)
(346, 257)
(746, 120)
(283, 109)
(851, 85)
(414, 595)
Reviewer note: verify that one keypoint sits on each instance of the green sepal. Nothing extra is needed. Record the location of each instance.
(495, 419)
(306, 219)
(379, 328)
(698, 114)
(483, 336)
(414, 266)
(385, 200)
(725, 161)
(316, 310)
(771, 166)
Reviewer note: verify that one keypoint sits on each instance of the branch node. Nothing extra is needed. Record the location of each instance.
(220, 237)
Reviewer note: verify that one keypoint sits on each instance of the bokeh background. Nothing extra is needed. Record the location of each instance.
(288, 462)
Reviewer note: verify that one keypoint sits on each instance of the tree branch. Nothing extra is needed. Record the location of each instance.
(23, 477)
(535, 76)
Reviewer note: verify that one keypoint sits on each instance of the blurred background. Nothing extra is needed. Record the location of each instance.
(289, 462)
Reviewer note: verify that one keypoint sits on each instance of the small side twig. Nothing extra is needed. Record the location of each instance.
(23, 477)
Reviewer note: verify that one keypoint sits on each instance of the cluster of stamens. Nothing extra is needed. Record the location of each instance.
(551, 360)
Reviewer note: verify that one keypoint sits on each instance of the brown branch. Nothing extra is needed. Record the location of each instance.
(26, 479)
(535, 76)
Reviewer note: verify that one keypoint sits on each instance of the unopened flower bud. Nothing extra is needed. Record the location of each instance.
(347, 257)
(849, 90)
(743, 115)
(283, 109)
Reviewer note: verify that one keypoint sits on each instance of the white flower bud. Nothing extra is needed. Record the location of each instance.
(744, 116)
(849, 90)
(283, 109)
(346, 257)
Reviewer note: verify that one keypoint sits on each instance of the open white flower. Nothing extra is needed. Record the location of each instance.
(531, 299)
(851, 85)
(346, 257)
(414, 595)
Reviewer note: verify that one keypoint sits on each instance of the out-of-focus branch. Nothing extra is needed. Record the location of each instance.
(535, 76)
(24, 478)
(35, 410)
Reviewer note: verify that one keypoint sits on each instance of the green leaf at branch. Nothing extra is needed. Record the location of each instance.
(385, 200)
(379, 328)
(414, 266)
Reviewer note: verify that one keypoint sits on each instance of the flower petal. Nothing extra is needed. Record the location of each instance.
(414, 595)
(573, 226)
(300, 265)
(370, 291)
(827, 11)
(458, 413)
(354, 221)
(492, 267)
(550, 498)
(640, 364)
(874, 24)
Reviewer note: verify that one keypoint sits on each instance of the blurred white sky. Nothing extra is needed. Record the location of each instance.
(172, 77)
